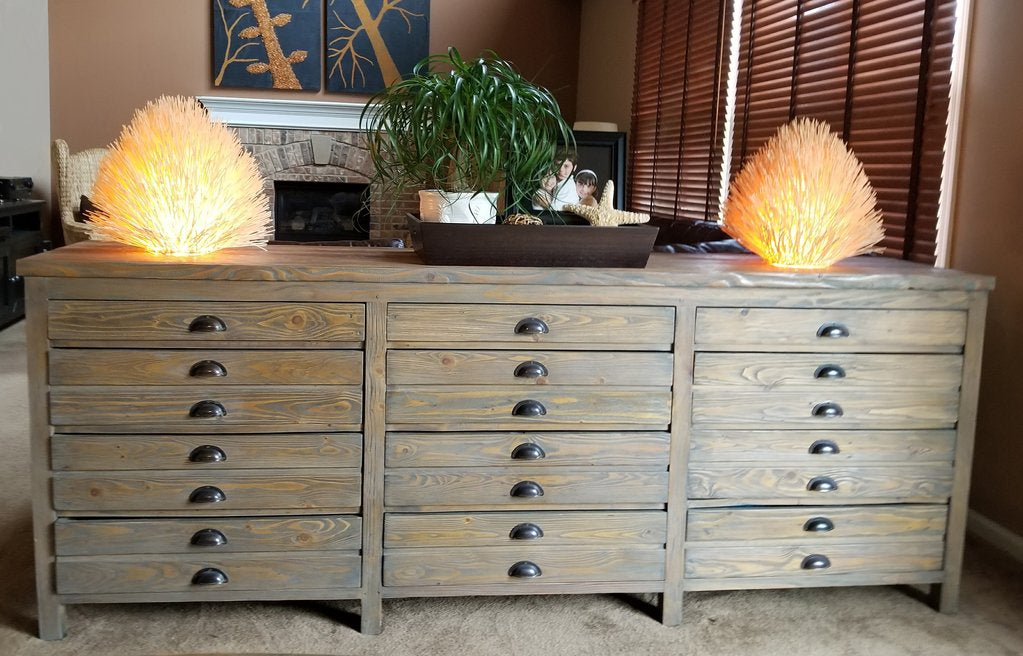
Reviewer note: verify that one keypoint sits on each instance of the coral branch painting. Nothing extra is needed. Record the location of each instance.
(372, 43)
(267, 43)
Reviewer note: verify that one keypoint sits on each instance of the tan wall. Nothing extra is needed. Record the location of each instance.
(25, 104)
(987, 238)
(607, 52)
(109, 57)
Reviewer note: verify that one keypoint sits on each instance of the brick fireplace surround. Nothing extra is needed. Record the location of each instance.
(282, 135)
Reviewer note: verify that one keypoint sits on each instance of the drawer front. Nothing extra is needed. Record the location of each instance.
(524, 488)
(829, 330)
(551, 324)
(204, 367)
(213, 452)
(186, 408)
(168, 573)
(497, 529)
(528, 368)
(469, 566)
(190, 491)
(891, 409)
(210, 536)
(468, 407)
(821, 447)
(827, 371)
(817, 524)
(820, 484)
(798, 561)
(205, 321)
(534, 449)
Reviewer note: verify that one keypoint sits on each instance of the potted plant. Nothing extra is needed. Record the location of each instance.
(460, 130)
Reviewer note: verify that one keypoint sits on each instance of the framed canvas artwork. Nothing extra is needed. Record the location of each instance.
(372, 43)
(267, 44)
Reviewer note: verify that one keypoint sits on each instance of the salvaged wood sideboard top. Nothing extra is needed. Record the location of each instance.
(315, 422)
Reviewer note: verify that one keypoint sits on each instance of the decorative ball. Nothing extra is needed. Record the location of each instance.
(177, 183)
(803, 201)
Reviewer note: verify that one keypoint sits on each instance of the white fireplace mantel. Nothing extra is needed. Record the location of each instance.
(287, 114)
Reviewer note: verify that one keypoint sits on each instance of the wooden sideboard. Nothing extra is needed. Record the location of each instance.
(345, 423)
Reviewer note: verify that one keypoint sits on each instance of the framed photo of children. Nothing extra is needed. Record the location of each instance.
(580, 176)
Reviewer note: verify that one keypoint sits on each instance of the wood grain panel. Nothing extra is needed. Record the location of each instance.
(885, 409)
(248, 490)
(649, 449)
(793, 447)
(169, 573)
(163, 408)
(775, 328)
(724, 481)
(567, 324)
(757, 561)
(150, 320)
(493, 529)
(172, 367)
(115, 452)
(489, 407)
(467, 565)
(910, 522)
(787, 370)
(441, 367)
(90, 537)
(467, 488)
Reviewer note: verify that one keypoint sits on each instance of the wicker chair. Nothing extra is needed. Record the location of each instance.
(76, 174)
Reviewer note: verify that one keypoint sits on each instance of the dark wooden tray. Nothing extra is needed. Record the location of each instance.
(537, 246)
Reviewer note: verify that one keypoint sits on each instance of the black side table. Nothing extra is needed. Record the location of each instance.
(21, 235)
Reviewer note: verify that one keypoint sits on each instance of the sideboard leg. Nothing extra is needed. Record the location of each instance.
(671, 608)
(52, 618)
(372, 615)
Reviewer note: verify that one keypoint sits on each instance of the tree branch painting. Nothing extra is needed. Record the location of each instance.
(251, 37)
(373, 43)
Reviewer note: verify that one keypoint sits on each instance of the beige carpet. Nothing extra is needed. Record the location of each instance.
(831, 622)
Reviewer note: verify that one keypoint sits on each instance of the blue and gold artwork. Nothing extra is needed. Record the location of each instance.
(269, 44)
(373, 43)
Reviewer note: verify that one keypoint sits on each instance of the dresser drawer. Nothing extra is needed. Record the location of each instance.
(191, 491)
(829, 330)
(578, 528)
(841, 409)
(205, 367)
(177, 573)
(817, 524)
(470, 406)
(534, 449)
(521, 487)
(550, 324)
(824, 484)
(201, 407)
(528, 368)
(212, 452)
(208, 536)
(827, 371)
(206, 321)
(821, 447)
(803, 562)
(471, 566)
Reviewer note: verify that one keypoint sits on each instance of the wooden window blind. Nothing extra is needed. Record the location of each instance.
(878, 71)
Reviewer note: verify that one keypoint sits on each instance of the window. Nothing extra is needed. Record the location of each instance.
(716, 78)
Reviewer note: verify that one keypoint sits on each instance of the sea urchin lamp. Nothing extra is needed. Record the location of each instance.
(177, 183)
(803, 201)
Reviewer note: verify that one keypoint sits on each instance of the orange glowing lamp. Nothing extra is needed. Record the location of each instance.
(177, 183)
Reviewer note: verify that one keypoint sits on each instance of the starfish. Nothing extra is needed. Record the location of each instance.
(605, 214)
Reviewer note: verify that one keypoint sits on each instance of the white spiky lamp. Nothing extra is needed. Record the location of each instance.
(803, 201)
(177, 183)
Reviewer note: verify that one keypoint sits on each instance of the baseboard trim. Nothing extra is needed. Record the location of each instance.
(995, 534)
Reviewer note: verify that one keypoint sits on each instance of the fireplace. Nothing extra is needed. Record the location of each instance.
(307, 211)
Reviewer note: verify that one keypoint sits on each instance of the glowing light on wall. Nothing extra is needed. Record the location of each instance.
(176, 183)
(803, 201)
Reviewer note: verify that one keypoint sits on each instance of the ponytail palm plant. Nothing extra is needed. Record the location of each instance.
(461, 125)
